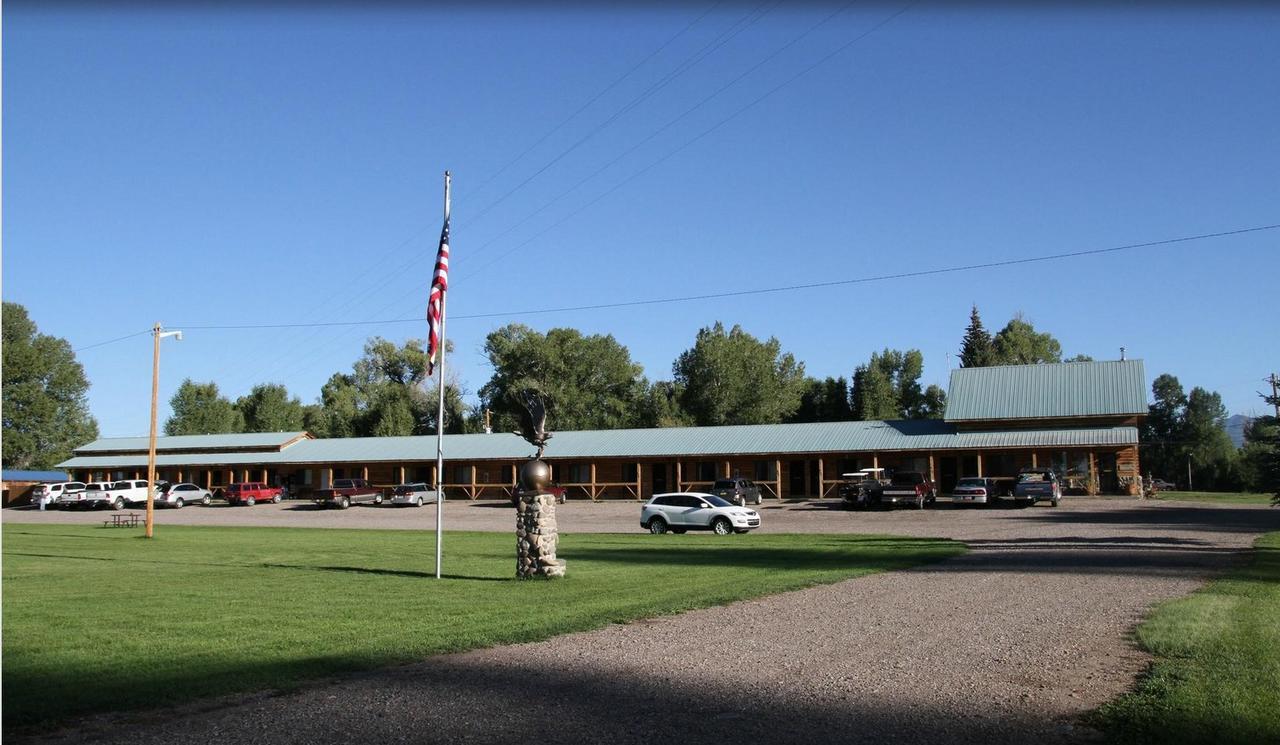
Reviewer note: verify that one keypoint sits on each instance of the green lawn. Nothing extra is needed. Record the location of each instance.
(1213, 496)
(100, 619)
(1216, 678)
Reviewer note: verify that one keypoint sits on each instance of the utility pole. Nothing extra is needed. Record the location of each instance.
(157, 333)
(1189, 487)
(1275, 392)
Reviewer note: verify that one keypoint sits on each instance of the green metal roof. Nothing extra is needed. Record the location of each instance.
(233, 442)
(693, 442)
(1067, 389)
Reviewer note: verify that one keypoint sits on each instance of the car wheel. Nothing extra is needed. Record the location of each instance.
(118, 504)
(377, 499)
(657, 526)
(345, 503)
(1053, 503)
(205, 500)
(721, 526)
(276, 499)
(759, 499)
(251, 501)
(920, 502)
(177, 503)
(417, 502)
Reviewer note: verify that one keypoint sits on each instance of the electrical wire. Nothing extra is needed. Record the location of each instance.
(767, 290)
(110, 341)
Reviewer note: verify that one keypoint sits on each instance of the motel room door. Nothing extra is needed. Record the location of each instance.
(659, 477)
(947, 474)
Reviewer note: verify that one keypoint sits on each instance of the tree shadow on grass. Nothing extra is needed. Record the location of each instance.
(386, 572)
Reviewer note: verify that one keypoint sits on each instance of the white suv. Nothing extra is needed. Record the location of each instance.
(683, 511)
(117, 495)
(51, 493)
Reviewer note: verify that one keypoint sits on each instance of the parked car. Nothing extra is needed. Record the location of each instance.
(554, 489)
(50, 494)
(179, 495)
(250, 493)
(683, 511)
(855, 488)
(1162, 485)
(1037, 485)
(346, 492)
(95, 494)
(905, 488)
(976, 490)
(737, 490)
(416, 494)
(116, 495)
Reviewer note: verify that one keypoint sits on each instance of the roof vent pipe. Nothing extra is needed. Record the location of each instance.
(1122, 354)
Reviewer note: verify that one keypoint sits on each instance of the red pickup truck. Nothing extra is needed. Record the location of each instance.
(907, 488)
(251, 492)
(346, 492)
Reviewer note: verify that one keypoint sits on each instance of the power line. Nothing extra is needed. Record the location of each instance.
(773, 289)
(617, 81)
(707, 50)
(111, 341)
(700, 135)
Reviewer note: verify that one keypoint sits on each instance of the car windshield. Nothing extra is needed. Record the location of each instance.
(971, 482)
(723, 484)
(1032, 477)
(405, 489)
(717, 501)
(93, 487)
(908, 477)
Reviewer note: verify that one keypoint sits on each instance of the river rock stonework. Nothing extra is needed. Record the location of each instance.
(536, 537)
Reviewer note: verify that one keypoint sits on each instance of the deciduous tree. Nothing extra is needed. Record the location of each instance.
(586, 382)
(824, 401)
(198, 409)
(1018, 343)
(45, 407)
(268, 408)
(888, 387)
(731, 377)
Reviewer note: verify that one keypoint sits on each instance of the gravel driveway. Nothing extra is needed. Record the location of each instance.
(1009, 643)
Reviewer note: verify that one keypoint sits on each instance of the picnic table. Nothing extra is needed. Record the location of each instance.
(122, 520)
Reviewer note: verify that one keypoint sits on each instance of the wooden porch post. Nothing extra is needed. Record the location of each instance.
(639, 479)
(777, 477)
(329, 472)
(473, 481)
(979, 464)
(208, 479)
(678, 477)
(1033, 459)
(727, 472)
(593, 481)
(875, 460)
(515, 475)
(932, 475)
(821, 478)
(400, 473)
(264, 475)
(364, 472)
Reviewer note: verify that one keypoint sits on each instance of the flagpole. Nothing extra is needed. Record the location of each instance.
(444, 296)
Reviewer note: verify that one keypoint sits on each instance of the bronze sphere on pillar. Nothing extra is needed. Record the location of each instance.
(534, 477)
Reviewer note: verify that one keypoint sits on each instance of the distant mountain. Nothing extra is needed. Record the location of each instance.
(1235, 428)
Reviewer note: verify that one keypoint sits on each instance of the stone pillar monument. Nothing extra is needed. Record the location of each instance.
(536, 532)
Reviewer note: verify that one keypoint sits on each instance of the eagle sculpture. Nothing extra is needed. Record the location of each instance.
(533, 423)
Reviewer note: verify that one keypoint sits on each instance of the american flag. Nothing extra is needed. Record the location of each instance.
(435, 304)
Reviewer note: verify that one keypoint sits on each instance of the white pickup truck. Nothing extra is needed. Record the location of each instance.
(117, 495)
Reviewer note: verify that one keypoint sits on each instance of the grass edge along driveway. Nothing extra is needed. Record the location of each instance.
(1216, 676)
(101, 619)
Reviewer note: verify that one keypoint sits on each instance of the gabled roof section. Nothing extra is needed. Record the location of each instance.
(766, 440)
(1062, 390)
(256, 441)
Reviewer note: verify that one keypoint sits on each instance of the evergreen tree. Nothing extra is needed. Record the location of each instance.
(976, 350)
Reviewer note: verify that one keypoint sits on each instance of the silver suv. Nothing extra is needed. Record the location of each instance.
(679, 512)
(737, 490)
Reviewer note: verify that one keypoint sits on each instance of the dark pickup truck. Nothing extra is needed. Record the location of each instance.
(1037, 485)
(906, 488)
(346, 492)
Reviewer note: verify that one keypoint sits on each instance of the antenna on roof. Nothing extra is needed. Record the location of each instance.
(1122, 354)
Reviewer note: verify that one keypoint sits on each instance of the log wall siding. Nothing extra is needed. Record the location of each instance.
(494, 479)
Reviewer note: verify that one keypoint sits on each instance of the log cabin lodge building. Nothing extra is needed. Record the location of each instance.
(1080, 418)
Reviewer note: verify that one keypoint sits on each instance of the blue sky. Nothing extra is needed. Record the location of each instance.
(205, 167)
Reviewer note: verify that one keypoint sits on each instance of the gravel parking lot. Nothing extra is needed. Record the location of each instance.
(1009, 643)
